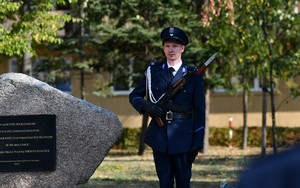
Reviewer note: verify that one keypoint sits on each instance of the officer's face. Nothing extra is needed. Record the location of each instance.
(173, 50)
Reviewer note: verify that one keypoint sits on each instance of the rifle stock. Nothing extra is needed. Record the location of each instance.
(200, 69)
(159, 122)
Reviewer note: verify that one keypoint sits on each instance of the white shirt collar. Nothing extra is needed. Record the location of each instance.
(176, 67)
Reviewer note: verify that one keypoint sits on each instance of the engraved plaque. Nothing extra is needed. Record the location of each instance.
(27, 143)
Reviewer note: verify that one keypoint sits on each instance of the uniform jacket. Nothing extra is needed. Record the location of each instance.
(178, 135)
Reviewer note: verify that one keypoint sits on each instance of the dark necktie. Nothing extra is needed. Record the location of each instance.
(171, 70)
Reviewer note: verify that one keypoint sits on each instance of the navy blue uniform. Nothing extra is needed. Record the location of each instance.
(173, 142)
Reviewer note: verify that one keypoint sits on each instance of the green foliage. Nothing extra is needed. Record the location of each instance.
(128, 140)
(220, 137)
(26, 24)
(7, 8)
(286, 136)
(123, 33)
(263, 33)
(128, 31)
(122, 37)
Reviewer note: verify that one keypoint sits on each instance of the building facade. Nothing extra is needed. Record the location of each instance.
(222, 106)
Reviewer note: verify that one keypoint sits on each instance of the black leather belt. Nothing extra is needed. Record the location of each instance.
(174, 115)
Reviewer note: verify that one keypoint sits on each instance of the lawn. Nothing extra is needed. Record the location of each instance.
(125, 169)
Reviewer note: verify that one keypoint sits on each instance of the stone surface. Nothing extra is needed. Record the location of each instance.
(84, 132)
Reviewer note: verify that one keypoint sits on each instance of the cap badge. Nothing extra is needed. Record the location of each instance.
(171, 30)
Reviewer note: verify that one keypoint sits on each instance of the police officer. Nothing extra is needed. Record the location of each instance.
(176, 143)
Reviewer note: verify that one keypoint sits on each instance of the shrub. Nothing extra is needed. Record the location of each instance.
(220, 137)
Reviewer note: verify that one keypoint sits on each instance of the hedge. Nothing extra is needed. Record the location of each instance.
(220, 137)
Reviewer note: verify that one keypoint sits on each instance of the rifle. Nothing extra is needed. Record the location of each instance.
(173, 89)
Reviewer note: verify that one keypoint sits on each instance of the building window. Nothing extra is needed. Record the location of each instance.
(122, 80)
(55, 72)
(255, 85)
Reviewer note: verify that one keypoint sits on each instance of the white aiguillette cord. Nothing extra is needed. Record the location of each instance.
(148, 87)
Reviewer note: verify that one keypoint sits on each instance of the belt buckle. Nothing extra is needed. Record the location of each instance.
(169, 116)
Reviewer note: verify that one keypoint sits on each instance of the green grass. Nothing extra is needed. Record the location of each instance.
(126, 169)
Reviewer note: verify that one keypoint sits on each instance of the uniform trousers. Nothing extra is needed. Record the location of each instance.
(169, 166)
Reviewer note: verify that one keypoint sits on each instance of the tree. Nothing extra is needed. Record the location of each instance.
(280, 27)
(217, 31)
(24, 32)
(266, 35)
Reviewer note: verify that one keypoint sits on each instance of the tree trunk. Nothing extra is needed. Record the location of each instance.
(82, 94)
(207, 109)
(270, 46)
(142, 145)
(26, 64)
(245, 114)
(274, 132)
(264, 117)
(81, 47)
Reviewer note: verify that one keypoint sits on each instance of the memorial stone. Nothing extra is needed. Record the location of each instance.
(62, 152)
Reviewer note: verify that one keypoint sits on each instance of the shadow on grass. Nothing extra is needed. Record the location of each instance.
(109, 183)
